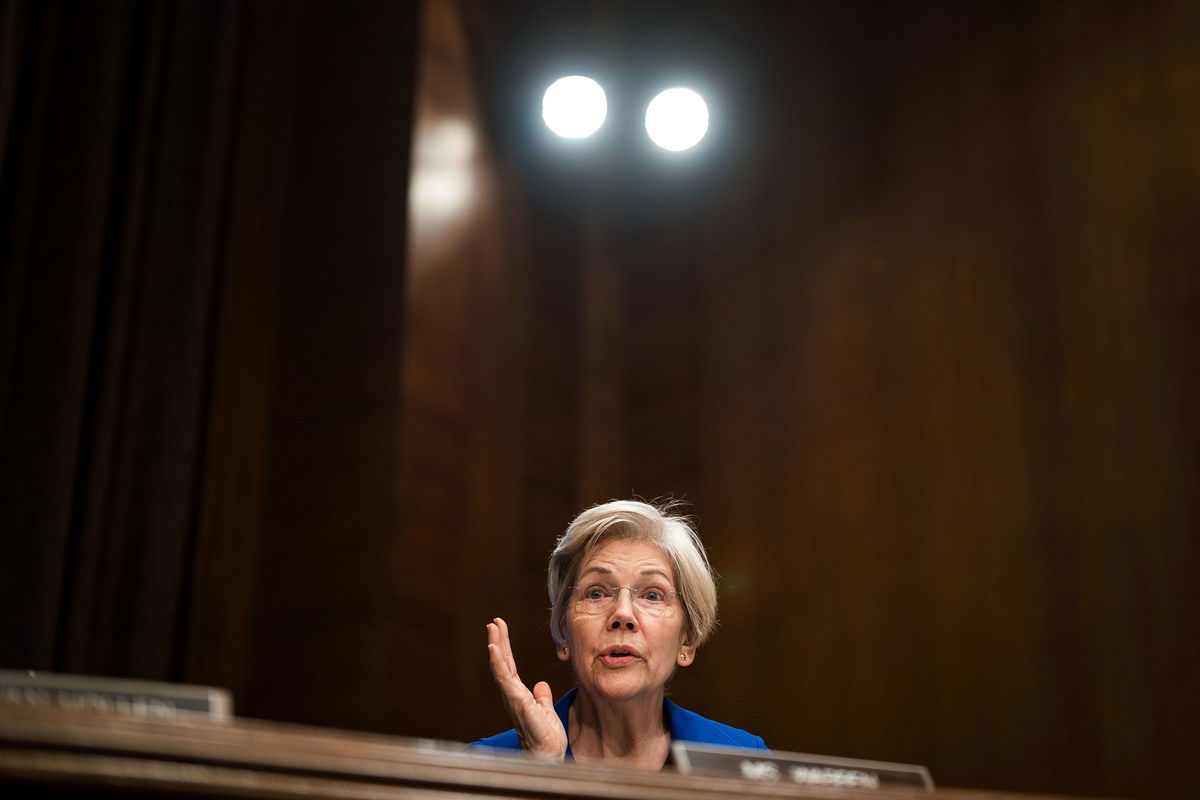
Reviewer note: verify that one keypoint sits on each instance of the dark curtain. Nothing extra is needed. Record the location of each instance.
(160, 160)
(117, 125)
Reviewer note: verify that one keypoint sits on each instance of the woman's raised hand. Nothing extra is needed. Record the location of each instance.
(532, 713)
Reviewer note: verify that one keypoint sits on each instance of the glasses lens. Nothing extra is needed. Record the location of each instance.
(600, 599)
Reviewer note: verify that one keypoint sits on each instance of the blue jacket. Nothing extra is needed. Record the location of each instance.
(683, 725)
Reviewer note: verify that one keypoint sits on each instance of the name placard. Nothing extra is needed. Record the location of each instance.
(117, 695)
(800, 768)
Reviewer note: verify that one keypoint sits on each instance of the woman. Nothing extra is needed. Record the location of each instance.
(633, 598)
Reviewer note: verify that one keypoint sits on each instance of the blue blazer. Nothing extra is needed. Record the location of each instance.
(683, 725)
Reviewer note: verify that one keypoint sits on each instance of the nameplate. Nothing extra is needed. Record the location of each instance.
(798, 768)
(116, 695)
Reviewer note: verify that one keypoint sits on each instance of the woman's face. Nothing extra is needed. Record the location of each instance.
(625, 648)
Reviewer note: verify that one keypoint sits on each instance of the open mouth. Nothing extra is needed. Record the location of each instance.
(619, 655)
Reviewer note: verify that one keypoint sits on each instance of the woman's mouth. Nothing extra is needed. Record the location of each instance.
(619, 656)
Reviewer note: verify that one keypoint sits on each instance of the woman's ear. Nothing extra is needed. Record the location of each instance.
(562, 648)
(687, 654)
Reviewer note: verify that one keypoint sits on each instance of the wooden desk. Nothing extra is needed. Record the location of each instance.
(47, 751)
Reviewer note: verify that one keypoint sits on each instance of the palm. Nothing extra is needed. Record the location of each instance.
(532, 713)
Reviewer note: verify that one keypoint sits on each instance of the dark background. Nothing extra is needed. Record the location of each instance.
(914, 329)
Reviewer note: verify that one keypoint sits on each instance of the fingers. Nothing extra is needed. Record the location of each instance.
(499, 643)
(506, 644)
(517, 698)
(504, 669)
(500, 653)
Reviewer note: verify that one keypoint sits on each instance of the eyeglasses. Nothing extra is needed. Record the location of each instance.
(599, 598)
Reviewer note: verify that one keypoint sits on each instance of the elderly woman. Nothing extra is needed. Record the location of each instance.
(633, 598)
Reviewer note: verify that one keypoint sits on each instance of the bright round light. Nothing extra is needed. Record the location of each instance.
(676, 119)
(574, 107)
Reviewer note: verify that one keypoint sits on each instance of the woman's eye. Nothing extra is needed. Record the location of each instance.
(653, 595)
(594, 593)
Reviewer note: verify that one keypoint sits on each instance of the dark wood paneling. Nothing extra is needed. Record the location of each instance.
(490, 382)
(915, 331)
(329, 506)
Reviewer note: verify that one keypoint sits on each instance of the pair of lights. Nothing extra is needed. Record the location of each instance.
(575, 107)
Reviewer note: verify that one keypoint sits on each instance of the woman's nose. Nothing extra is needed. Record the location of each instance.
(623, 611)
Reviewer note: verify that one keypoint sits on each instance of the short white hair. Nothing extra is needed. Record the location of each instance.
(674, 534)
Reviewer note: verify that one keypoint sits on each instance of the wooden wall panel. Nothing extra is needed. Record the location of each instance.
(291, 594)
(487, 443)
(321, 614)
(931, 421)
(915, 332)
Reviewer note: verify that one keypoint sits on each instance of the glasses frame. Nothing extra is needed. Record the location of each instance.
(616, 597)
